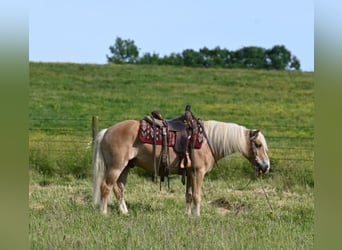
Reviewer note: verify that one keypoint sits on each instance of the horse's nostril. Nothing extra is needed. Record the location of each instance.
(262, 168)
(267, 169)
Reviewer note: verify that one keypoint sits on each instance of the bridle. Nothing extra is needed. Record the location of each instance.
(251, 140)
(254, 148)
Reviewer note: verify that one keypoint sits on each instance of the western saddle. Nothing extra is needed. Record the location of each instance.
(187, 129)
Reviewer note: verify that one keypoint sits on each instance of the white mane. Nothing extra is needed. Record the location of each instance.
(225, 138)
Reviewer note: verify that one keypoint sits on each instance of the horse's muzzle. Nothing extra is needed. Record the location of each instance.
(262, 168)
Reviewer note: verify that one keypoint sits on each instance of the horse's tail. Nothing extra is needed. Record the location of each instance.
(98, 167)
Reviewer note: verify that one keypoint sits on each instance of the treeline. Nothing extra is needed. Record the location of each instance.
(278, 57)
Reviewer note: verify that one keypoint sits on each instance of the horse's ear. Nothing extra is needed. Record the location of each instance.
(253, 134)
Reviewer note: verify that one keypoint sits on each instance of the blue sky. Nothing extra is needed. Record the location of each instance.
(82, 31)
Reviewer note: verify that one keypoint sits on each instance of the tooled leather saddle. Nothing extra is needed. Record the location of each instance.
(183, 134)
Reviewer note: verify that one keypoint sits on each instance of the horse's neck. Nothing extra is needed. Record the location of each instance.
(228, 150)
(226, 138)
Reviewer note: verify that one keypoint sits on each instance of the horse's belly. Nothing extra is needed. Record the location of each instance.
(144, 158)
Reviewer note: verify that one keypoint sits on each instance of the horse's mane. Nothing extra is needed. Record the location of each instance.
(225, 138)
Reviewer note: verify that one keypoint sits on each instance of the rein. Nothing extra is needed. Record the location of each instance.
(266, 196)
(208, 142)
(259, 177)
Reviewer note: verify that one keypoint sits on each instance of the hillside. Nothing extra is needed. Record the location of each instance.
(254, 98)
(64, 97)
(275, 212)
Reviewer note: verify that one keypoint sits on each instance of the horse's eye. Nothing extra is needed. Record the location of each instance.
(257, 145)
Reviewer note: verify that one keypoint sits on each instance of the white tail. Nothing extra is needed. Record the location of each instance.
(98, 168)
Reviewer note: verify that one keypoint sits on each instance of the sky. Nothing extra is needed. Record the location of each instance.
(82, 31)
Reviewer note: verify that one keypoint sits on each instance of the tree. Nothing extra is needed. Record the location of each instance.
(281, 59)
(124, 51)
(278, 57)
(207, 57)
(295, 64)
(192, 58)
(250, 57)
(221, 57)
(172, 59)
(149, 58)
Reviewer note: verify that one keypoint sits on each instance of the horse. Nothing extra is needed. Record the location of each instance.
(118, 148)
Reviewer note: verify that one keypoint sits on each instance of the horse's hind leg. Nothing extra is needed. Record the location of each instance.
(109, 183)
(105, 190)
(120, 188)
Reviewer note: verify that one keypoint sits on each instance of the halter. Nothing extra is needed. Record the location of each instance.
(254, 150)
(252, 142)
(258, 176)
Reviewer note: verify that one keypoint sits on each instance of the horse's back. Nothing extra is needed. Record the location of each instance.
(125, 123)
(121, 136)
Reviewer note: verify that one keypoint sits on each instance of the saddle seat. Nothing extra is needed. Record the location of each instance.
(177, 125)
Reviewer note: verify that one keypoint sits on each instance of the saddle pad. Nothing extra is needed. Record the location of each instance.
(146, 135)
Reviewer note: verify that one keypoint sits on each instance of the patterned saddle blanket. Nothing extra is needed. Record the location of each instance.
(175, 138)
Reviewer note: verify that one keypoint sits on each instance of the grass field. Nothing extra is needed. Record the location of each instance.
(63, 99)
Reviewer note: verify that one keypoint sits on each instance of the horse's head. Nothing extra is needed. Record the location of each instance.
(257, 151)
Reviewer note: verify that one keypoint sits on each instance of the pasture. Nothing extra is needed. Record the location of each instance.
(63, 99)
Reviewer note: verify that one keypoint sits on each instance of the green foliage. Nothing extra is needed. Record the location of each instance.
(124, 51)
(60, 155)
(294, 63)
(250, 57)
(278, 57)
(149, 58)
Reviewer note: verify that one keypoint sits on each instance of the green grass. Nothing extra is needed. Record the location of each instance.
(63, 99)
(116, 92)
(62, 217)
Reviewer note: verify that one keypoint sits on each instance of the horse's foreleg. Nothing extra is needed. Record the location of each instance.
(197, 180)
(188, 193)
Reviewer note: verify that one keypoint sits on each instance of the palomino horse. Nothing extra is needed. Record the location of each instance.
(118, 148)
